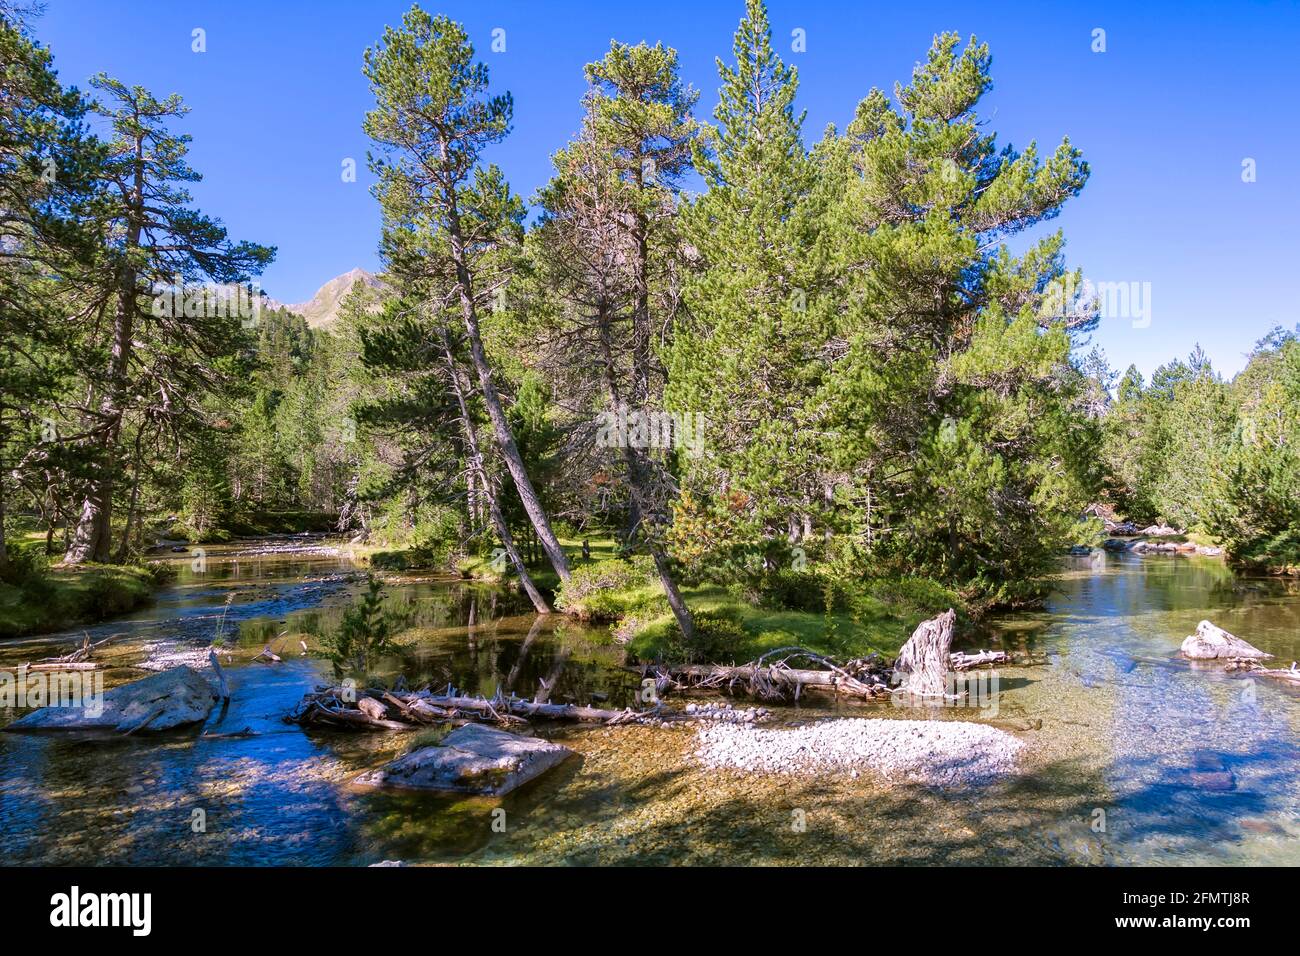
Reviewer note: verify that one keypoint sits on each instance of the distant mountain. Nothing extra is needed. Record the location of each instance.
(323, 308)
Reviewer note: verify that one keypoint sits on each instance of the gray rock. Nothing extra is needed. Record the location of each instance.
(1214, 643)
(171, 698)
(1160, 530)
(472, 759)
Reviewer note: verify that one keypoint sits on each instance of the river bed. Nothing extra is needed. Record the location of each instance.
(1127, 764)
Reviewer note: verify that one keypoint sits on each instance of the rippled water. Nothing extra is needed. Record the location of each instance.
(1138, 758)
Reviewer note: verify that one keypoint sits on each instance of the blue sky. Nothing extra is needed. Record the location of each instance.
(1166, 115)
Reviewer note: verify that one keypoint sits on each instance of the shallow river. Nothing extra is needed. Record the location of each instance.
(1133, 757)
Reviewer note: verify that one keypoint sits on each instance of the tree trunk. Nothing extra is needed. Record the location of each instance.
(4, 549)
(640, 500)
(479, 469)
(492, 399)
(926, 658)
(93, 538)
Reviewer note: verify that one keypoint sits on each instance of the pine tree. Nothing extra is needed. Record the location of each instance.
(47, 180)
(745, 358)
(446, 215)
(156, 247)
(606, 244)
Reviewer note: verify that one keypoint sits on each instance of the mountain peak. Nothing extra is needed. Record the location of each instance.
(323, 308)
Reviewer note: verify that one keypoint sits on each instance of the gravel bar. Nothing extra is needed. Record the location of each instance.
(935, 752)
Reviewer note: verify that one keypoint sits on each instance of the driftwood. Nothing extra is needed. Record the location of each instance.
(221, 675)
(268, 656)
(926, 658)
(867, 677)
(77, 659)
(963, 662)
(405, 710)
(778, 680)
(1289, 675)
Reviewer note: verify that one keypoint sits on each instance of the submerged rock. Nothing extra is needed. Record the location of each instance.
(171, 698)
(1214, 643)
(472, 759)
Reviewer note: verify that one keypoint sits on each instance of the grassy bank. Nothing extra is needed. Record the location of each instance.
(733, 622)
(738, 622)
(34, 599)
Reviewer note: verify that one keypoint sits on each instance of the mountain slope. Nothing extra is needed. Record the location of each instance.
(323, 308)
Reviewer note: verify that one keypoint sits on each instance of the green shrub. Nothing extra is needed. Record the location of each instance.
(364, 637)
(719, 637)
(607, 590)
(788, 589)
(28, 569)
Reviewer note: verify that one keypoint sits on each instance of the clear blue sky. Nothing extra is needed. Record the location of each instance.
(1184, 92)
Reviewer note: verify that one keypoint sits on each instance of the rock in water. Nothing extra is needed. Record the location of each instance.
(171, 698)
(1214, 643)
(472, 759)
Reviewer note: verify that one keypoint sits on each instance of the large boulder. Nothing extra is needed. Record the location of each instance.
(171, 698)
(1211, 643)
(472, 759)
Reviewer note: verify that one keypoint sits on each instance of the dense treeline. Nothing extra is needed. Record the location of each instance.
(1220, 458)
(749, 358)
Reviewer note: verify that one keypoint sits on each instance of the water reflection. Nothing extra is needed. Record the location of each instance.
(1182, 765)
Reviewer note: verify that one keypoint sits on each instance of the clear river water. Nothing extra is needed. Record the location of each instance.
(1132, 756)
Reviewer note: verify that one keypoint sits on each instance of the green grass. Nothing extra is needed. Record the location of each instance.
(874, 623)
(58, 598)
(479, 567)
(878, 615)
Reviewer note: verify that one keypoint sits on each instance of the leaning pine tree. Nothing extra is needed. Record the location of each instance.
(433, 116)
(606, 243)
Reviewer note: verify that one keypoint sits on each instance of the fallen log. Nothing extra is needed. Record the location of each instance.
(81, 666)
(771, 682)
(392, 710)
(1289, 675)
(963, 662)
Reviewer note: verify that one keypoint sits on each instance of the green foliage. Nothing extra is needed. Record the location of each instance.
(608, 590)
(718, 638)
(871, 359)
(1254, 504)
(364, 637)
(37, 599)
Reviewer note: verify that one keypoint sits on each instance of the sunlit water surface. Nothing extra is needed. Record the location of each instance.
(1138, 758)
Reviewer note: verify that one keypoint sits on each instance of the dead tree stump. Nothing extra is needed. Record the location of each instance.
(926, 657)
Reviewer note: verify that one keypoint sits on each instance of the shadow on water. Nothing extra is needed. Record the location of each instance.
(1138, 760)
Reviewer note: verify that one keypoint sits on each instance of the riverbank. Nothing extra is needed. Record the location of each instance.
(40, 599)
(732, 624)
(1108, 722)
